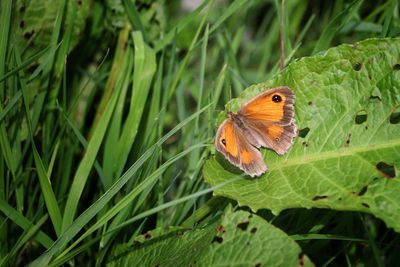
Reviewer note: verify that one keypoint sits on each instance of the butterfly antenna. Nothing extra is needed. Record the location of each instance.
(282, 44)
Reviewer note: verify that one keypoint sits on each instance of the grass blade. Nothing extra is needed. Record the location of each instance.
(24, 223)
(86, 164)
(47, 191)
(335, 25)
(96, 207)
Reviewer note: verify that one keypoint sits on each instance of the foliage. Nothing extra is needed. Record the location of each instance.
(108, 112)
(348, 150)
(258, 241)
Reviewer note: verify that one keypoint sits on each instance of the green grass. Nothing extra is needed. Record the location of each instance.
(108, 113)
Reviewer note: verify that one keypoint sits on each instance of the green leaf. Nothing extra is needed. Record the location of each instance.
(239, 238)
(34, 23)
(347, 100)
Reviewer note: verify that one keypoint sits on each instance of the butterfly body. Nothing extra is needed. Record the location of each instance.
(267, 120)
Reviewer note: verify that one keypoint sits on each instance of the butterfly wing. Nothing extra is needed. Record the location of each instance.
(231, 142)
(269, 119)
(276, 137)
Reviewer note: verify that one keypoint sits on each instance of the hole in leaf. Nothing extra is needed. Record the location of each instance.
(22, 9)
(310, 103)
(319, 197)
(217, 239)
(243, 225)
(394, 118)
(79, 2)
(387, 170)
(365, 205)
(348, 139)
(253, 230)
(258, 265)
(22, 24)
(363, 191)
(361, 117)
(357, 66)
(28, 35)
(375, 98)
(305, 144)
(303, 132)
(396, 66)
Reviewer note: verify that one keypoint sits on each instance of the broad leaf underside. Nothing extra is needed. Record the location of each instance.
(347, 156)
(238, 239)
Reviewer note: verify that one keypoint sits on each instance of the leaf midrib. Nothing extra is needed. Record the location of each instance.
(348, 151)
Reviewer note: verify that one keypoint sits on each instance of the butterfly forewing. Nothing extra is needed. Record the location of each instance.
(269, 119)
(274, 106)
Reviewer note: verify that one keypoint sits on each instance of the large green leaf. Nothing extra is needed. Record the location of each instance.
(239, 239)
(348, 98)
(34, 22)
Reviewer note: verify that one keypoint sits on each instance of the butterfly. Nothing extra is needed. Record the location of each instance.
(267, 120)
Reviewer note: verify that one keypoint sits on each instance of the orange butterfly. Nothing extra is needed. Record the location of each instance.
(267, 120)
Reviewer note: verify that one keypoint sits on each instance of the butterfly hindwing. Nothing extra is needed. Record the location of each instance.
(232, 143)
(276, 137)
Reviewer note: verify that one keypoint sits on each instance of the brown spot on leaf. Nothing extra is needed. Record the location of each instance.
(348, 139)
(147, 235)
(363, 191)
(301, 259)
(220, 229)
(319, 197)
